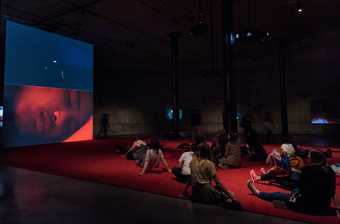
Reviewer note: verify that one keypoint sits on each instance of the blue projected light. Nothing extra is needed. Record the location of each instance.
(170, 114)
(232, 38)
(1, 115)
(51, 59)
(320, 121)
(48, 87)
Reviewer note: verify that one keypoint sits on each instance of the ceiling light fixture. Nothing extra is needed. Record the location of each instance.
(299, 7)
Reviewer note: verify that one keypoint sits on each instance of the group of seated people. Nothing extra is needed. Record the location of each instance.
(311, 183)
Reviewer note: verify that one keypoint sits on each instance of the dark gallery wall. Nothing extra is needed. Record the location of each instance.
(136, 99)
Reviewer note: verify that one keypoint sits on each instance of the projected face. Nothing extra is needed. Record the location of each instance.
(48, 87)
(51, 112)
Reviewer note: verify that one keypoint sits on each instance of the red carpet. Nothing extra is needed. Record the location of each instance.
(97, 161)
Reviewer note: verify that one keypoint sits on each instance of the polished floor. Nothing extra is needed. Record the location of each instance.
(40, 198)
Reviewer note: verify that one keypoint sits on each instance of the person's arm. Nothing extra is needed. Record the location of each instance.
(146, 163)
(164, 161)
(128, 151)
(336, 201)
(220, 186)
(134, 145)
(181, 161)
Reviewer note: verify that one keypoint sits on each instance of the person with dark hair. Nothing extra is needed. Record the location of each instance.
(153, 157)
(196, 140)
(104, 124)
(315, 190)
(182, 171)
(255, 149)
(232, 155)
(203, 174)
(218, 147)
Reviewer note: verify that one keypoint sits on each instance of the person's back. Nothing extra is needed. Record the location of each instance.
(232, 156)
(317, 187)
(153, 156)
(186, 159)
(202, 171)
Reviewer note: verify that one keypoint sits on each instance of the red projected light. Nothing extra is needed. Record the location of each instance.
(53, 114)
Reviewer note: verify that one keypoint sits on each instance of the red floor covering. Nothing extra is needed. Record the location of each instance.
(97, 161)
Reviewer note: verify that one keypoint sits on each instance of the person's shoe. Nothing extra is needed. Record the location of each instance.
(253, 176)
(251, 187)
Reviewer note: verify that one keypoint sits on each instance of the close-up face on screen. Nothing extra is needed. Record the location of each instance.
(48, 87)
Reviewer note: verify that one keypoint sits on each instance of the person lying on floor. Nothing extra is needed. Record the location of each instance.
(285, 170)
(232, 154)
(315, 191)
(203, 174)
(153, 157)
(137, 151)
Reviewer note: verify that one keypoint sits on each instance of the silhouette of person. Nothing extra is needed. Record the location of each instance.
(104, 124)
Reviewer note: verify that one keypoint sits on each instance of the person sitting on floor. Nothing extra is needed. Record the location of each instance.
(153, 157)
(137, 151)
(285, 170)
(203, 173)
(197, 139)
(218, 147)
(304, 152)
(232, 155)
(182, 171)
(315, 191)
(255, 150)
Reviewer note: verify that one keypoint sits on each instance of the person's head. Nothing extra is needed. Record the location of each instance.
(198, 138)
(154, 144)
(286, 139)
(287, 149)
(233, 138)
(204, 150)
(221, 136)
(317, 158)
(46, 112)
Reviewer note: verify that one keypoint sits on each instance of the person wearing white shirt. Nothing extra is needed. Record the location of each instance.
(183, 171)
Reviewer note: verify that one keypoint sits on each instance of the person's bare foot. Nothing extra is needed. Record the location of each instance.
(253, 176)
(252, 188)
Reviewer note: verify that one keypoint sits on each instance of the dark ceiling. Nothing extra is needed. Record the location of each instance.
(133, 34)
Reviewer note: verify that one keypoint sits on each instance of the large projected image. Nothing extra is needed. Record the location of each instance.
(48, 87)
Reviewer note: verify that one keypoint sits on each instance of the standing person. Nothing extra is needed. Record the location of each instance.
(315, 191)
(268, 124)
(104, 124)
(153, 157)
(203, 174)
(232, 155)
(218, 147)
